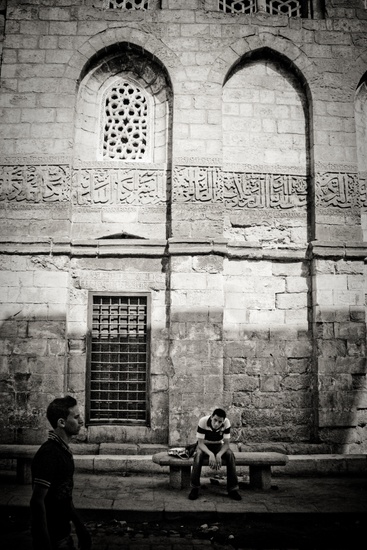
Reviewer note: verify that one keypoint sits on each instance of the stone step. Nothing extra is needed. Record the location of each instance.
(117, 448)
(298, 465)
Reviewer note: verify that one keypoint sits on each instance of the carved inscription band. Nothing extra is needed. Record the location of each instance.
(118, 186)
(84, 186)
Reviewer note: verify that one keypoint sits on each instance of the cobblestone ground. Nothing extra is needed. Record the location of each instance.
(284, 532)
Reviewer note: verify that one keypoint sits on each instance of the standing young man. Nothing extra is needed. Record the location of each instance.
(213, 435)
(52, 509)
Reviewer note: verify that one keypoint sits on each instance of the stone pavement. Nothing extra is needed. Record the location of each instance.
(136, 499)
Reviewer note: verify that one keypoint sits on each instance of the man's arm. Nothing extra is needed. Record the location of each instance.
(84, 538)
(39, 519)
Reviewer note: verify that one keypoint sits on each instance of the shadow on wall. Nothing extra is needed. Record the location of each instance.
(277, 385)
(33, 353)
(300, 384)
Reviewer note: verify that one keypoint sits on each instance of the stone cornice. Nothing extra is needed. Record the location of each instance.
(84, 248)
(338, 250)
(109, 248)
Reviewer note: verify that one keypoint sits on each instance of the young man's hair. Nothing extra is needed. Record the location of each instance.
(59, 408)
(219, 412)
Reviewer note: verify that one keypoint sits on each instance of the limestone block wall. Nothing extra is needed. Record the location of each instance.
(240, 208)
(34, 290)
(269, 381)
(340, 337)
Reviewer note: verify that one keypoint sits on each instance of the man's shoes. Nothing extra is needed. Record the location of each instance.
(234, 495)
(194, 493)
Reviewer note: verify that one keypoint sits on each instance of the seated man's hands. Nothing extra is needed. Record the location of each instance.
(218, 460)
(215, 462)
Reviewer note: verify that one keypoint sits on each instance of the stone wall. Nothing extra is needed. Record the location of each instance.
(243, 217)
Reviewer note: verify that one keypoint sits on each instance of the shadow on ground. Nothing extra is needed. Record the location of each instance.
(242, 531)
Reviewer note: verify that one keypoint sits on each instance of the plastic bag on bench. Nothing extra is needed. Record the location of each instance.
(183, 452)
(178, 452)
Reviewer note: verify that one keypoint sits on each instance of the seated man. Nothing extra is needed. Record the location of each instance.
(213, 434)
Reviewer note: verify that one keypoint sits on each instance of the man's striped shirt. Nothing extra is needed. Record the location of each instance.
(205, 430)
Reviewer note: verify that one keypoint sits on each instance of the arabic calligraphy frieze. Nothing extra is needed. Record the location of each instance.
(94, 185)
(363, 189)
(259, 191)
(197, 184)
(35, 184)
(337, 190)
(119, 186)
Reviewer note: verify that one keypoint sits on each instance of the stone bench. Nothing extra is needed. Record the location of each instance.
(259, 463)
(23, 454)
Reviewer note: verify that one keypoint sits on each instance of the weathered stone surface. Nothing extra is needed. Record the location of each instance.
(214, 223)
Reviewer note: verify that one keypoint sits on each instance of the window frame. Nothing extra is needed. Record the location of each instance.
(115, 422)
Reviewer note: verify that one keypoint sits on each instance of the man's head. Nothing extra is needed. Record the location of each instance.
(63, 413)
(217, 418)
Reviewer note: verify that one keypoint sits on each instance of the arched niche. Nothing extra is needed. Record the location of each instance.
(361, 134)
(266, 150)
(123, 66)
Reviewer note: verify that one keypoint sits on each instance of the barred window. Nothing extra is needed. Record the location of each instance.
(118, 353)
(237, 6)
(125, 123)
(127, 5)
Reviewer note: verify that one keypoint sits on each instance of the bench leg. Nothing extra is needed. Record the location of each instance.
(24, 474)
(260, 477)
(179, 477)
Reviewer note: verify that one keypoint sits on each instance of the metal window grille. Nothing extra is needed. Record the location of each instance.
(128, 5)
(237, 6)
(292, 8)
(119, 348)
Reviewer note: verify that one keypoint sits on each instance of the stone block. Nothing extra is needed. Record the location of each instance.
(46, 329)
(297, 284)
(45, 365)
(118, 449)
(350, 331)
(50, 279)
(104, 464)
(84, 463)
(84, 448)
(297, 317)
(337, 418)
(323, 282)
(259, 301)
(150, 449)
(235, 316)
(266, 318)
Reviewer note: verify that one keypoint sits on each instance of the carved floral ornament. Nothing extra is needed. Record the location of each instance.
(129, 185)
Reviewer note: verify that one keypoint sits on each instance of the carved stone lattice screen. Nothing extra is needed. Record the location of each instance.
(125, 123)
(127, 5)
(237, 6)
(292, 8)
